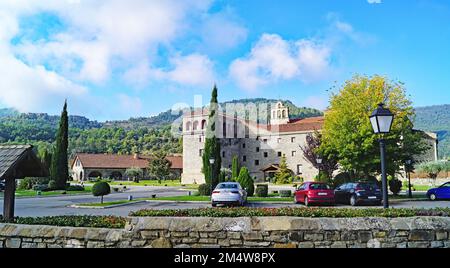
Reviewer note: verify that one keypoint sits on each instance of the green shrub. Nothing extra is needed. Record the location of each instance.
(285, 193)
(246, 181)
(73, 221)
(52, 185)
(101, 188)
(322, 177)
(262, 190)
(395, 185)
(294, 212)
(204, 189)
(40, 187)
(74, 188)
(29, 182)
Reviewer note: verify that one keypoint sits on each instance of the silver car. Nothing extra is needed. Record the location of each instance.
(228, 193)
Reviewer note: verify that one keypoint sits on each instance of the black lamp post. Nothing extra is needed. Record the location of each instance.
(381, 120)
(408, 170)
(319, 161)
(211, 162)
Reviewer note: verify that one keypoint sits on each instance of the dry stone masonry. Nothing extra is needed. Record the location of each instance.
(263, 232)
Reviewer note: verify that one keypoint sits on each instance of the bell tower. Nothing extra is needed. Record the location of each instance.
(279, 114)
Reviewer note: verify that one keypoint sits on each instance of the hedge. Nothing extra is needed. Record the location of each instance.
(293, 212)
(73, 221)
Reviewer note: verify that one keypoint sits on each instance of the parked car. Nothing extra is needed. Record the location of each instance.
(356, 193)
(441, 192)
(228, 193)
(314, 193)
(2, 185)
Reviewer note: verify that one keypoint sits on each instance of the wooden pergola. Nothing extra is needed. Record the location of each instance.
(17, 162)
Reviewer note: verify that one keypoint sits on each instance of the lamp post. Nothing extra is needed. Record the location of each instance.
(408, 170)
(319, 161)
(211, 162)
(381, 120)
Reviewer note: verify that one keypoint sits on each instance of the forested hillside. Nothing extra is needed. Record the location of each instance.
(143, 135)
(147, 134)
(436, 119)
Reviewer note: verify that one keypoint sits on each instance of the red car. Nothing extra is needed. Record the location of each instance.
(314, 193)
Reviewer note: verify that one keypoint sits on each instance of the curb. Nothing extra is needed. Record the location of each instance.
(106, 207)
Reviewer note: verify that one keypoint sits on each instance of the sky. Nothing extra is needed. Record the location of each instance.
(119, 59)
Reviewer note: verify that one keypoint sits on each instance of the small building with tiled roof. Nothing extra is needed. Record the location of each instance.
(87, 166)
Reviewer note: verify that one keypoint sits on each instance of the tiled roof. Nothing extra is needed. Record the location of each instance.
(302, 124)
(114, 161)
(12, 156)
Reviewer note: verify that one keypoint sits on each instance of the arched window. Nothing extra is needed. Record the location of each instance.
(284, 113)
(188, 126)
(195, 126)
(203, 124)
(279, 114)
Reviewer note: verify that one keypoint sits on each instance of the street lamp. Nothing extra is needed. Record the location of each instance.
(319, 161)
(381, 120)
(211, 162)
(408, 170)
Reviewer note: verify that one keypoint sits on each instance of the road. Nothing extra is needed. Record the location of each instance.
(59, 205)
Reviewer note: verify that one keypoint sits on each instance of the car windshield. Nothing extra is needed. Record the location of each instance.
(319, 186)
(227, 186)
(367, 186)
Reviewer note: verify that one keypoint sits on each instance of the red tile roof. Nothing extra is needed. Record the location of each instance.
(114, 161)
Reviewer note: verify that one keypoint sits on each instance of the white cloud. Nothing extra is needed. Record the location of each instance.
(272, 59)
(221, 32)
(99, 39)
(374, 1)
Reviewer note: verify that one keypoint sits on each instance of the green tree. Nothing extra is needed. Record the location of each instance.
(59, 171)
(246, 181)
(101, 189)
(212, 144)
(347, 133)
(235, 167)
(284, 174)
(134, 173)
(432, 169)
(159, 166)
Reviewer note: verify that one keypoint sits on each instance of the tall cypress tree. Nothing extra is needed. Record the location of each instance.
(235, 168)
(212, 144)
(59, 171)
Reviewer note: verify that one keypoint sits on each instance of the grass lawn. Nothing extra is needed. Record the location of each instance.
(173, 183)
(31, 193)
(418, 187)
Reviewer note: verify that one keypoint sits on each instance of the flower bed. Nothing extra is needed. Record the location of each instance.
(293, 212)
(73, 221)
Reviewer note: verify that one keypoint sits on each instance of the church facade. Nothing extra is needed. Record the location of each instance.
(259, 147)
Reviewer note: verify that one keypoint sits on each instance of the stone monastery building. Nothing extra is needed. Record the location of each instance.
(259, 147)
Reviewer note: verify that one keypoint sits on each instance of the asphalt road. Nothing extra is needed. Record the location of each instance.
(51, 206)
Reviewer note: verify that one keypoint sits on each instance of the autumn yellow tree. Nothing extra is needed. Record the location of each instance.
(348, 136)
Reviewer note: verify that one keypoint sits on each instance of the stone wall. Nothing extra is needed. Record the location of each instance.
(281, 232)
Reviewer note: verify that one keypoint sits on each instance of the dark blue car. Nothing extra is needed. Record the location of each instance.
(442, 192)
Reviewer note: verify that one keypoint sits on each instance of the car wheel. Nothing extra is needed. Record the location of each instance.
(306, 202)
(213, 205)
(433, 197)
(353, 201)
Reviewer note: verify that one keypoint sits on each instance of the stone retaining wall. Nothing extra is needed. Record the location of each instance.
(284, 232)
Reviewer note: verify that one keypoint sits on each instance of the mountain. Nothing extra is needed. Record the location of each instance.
(436, 119)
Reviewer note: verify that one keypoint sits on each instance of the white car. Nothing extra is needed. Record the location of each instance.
(228, 193)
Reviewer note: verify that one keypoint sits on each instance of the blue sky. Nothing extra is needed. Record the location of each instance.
(119, 59)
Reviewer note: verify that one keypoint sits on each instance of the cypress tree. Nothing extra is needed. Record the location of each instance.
(212, 144)
(59, 171)
(235, 168)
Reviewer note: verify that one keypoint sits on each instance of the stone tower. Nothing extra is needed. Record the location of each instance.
(279, 114)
